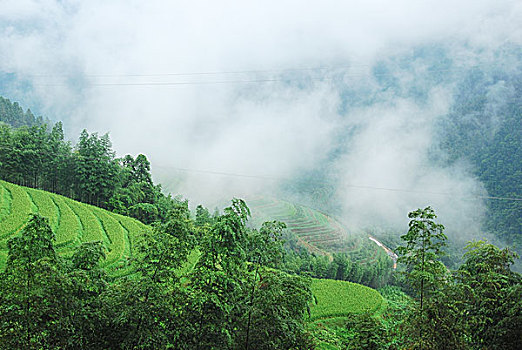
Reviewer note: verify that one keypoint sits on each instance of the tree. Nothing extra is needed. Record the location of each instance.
(145, 212)
(88, 282)
(491, 298)
(277, 314)
(425, 273)
(264, 248)
(217, 281)
(145, 311)
(36, 299)
(59, 166)
(96, 169)
(365, 332)
(203, 216)
(424, 241)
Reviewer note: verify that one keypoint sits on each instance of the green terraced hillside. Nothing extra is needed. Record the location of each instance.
(311, 226)
(339, 298)
(73, 223)
(320, 233)
(334, 302)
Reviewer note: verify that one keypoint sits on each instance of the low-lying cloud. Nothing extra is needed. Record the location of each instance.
(206, 88)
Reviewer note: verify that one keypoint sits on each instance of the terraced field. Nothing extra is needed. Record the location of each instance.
(334, 302)
(72, 222)
(339, 298)
(320, 233)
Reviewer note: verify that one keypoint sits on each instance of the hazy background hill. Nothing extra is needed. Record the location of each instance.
(360, 110)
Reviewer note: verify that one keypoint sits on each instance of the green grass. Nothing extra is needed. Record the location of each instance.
(116, 236)
(91, 227)
(340, 298)
(45, 206)
(335, 302)
(69, 229)
(21, 208)
(5, 202)
(73, 223)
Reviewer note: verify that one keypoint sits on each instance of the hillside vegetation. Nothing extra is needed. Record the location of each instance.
(334, 252)
(73, 223)
(77, 276)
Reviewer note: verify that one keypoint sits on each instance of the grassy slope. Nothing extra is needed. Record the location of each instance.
(75, 222)
(320, 233)
(339, 298)
(72, 222)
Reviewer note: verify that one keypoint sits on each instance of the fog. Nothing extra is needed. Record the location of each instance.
(234, 98)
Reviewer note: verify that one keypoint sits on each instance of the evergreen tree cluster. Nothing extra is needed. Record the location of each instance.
(12, 113)
(35, 156)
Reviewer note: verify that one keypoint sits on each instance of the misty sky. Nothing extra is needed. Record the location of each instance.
(250, 88)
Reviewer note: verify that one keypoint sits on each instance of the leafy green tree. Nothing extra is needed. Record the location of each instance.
(203, 216)
(440, 325)
(216, 283)
(36, 300)
(145, 212)
(425, 273)
(88, 282)
(95, 169)
(365, 332)
(491, 297)
(277, 314)
(146, 310)
(59, 167)
(264, 248)
(424, 241)
(12, 114)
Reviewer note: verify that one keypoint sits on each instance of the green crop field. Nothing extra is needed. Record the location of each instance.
(334, 302)
(320, 233)
(72, 222)
(340, 298)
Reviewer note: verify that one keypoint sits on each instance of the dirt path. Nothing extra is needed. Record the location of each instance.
(388, 251)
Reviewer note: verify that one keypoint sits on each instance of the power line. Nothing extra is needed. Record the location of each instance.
(275, 178)
(215, 82)
(175, 83)
(224, 72)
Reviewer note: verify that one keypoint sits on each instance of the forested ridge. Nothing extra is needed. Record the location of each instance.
(484, 126)
(36, 155)
(210, 281)
(13, 114)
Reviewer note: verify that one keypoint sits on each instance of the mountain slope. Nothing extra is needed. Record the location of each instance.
(73, 223)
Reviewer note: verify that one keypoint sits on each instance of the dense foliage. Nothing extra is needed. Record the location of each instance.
(213, 282)
(34, 155)
(483, 126)
(13, 114)
(354, 265)
(479, 306)
(231, 299)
